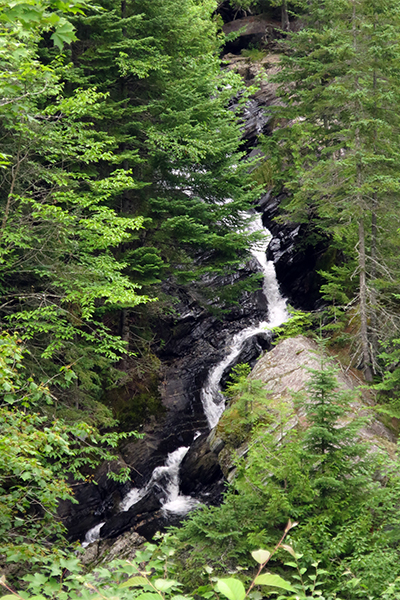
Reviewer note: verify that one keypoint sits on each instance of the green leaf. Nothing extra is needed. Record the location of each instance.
(63, 35)
(256, 595)
(274, 581)
(164, 584)
(148, 596)
(289, 549)
(261, 556)
(232, 588)
(134, 581)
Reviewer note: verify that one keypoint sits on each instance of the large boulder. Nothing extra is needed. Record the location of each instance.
(284, 372)
(200, 470)
(104, 551)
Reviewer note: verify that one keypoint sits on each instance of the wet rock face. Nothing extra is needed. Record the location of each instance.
(295, 257)
(141, 513)
(200, 471)
(256, 117)
(194, 341)
(96, 501)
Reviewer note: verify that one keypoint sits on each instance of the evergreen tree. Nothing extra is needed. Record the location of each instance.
(169, 110)
(343, 497)
(335, 454)
(342, 145)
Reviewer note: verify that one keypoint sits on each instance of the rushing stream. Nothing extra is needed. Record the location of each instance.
(166, 478)
(211, 397)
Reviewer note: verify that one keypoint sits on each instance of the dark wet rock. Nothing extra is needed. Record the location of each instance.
(297, 259)
(194, 341)
(255, 30)
(139, 512)
(97, 500)
(145, 524)
(150, 524)
(298, 253)
(257, 116)
(199, 468)
(250, 352)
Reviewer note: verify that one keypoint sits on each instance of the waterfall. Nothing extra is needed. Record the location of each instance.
(212, 399)
(174, 502)
(165, 478)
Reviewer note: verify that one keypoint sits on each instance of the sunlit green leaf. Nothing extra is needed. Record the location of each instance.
(232, 588)
(261, 556)
(133, 581)
(274, 581)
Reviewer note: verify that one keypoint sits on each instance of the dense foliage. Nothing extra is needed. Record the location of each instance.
(37, 455)
(109, 153)
(118, 160)
(121, 165)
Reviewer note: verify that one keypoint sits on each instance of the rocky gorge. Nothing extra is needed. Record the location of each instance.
(212, 457)
(195, 341)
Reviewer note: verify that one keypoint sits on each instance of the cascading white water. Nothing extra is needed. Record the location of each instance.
(92, 535)
(132, 497)
(174, 501)
(167, 476)
(212, 399)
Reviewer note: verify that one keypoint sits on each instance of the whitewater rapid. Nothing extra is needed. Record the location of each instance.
(211, 397)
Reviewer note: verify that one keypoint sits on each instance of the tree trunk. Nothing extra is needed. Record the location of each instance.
(366, 357)
(285, 16)
(125, 335)
(374, 254)
(374, 242)
(363, 302)
(123, 15)
(14, 177)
